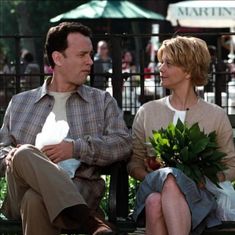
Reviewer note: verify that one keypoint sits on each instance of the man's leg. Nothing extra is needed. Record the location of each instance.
(35, 219)
(66, 208)
(30, 169)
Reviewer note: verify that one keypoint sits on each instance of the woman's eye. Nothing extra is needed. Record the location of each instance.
(168, 62)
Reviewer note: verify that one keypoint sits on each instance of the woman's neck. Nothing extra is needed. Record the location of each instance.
(183, 100)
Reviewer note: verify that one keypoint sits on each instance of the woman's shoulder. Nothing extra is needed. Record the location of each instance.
(154, 104)
(211, 116)
(211, 108)
(154, 112)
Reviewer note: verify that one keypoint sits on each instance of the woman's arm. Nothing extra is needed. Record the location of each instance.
(137, 166)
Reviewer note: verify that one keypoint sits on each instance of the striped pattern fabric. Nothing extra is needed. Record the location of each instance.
(96, 126)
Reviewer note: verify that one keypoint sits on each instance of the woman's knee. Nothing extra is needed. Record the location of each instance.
(153, 202)
(170, 185)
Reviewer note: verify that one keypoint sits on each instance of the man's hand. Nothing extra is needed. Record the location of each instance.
(59, 152)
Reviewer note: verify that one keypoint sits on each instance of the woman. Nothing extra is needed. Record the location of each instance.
(171, 202)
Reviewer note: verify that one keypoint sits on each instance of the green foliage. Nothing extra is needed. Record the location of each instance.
(190, 150)
(133, 185)
(3, 189)
(38, 13)
(104, 201)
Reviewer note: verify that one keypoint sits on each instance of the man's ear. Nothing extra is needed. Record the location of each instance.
(57, 58)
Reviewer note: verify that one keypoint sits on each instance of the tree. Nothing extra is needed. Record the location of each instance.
(29, 18)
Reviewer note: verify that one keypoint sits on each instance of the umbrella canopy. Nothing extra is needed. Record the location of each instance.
(204, 14)
(97, 9)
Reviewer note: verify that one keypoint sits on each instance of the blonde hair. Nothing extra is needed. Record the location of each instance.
(189, 53)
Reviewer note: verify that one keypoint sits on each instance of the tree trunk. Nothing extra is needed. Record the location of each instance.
(23, 18)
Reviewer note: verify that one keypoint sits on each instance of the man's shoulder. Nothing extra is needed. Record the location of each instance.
(94, 94)
(27, 95)
(93, 91)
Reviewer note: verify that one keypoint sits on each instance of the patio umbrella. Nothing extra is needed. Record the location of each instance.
(98, 9)
(204, 14)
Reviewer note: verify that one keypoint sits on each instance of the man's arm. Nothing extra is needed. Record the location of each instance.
(115, 143)
(7, 142)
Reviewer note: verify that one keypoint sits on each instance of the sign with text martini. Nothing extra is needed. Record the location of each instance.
(211, 14)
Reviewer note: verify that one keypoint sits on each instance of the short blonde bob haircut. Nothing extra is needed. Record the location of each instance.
(189, 53)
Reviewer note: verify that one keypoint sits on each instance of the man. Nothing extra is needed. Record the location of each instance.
(40, 191)
(102, 64)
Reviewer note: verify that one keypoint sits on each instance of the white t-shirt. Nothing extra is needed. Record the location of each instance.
(179, 114)
(59, 110)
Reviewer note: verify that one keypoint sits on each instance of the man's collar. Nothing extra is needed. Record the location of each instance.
(82, 91)
(42, 91)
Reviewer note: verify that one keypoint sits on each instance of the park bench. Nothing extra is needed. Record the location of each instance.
(118, 203)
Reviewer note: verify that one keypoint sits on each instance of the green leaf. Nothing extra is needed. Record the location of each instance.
(207, 152)
(189, 149)
(179, 138)
(212, 136)
(200, 145)
(180, 125)
(187, 170)
(195, 132)
(184, 154)
(197, 172)
(217, 155)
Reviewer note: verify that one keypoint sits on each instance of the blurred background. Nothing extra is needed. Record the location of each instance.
(126, 37)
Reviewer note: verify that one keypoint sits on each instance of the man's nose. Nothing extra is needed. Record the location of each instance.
(90, 61)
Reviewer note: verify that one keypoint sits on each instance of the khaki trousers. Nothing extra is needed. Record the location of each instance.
(38, 191)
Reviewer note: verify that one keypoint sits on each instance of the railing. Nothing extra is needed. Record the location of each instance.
(130, 89)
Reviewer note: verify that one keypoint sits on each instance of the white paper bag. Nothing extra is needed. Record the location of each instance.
(225, 197)
(53, 132)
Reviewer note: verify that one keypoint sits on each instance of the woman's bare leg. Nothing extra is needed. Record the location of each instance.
(175, 208)
(155, 224)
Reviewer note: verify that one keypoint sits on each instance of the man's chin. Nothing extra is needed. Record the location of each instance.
(80, 81)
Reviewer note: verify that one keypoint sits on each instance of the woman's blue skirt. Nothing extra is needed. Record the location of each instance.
(202, 203)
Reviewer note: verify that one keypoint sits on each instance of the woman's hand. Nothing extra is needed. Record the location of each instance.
(152, 164)
(221, 176)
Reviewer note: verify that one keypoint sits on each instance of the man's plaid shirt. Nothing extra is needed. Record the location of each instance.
(96, 126)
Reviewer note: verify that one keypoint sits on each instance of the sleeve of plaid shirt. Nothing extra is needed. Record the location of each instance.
(114, 145)
(6, 140)
(6, 144)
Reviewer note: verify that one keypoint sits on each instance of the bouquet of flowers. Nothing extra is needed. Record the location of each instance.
(190, 150)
